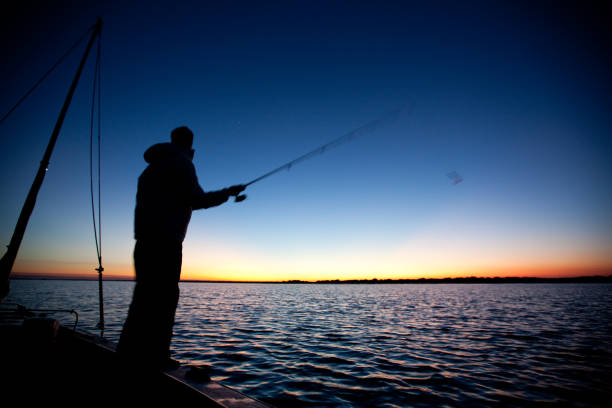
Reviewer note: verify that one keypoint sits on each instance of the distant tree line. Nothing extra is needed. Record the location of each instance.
(471, 279)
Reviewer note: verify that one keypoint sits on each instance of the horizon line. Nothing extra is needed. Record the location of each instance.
(464, 279)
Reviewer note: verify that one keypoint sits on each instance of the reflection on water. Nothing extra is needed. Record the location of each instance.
(380, 345)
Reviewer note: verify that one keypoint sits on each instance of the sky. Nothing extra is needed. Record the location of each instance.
(513, 96)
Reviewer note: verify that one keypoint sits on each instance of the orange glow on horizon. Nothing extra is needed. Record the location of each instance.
(413, 260)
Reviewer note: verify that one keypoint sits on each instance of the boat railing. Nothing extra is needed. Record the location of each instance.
(25, 312)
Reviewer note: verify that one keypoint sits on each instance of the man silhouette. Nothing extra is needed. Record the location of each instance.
(168, 191)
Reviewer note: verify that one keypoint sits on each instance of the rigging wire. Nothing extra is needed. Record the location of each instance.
(8, 259)
(59, 61)
(97, 228)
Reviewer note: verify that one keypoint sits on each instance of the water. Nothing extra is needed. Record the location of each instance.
(379, 345)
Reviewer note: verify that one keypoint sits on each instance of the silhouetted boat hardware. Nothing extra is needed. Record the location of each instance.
(44, 362)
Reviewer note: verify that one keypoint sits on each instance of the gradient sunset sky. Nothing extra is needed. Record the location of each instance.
(515, 98)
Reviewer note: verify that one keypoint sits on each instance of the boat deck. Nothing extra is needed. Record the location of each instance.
(44, 362)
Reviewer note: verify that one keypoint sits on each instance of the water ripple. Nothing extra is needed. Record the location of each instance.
(380, 345)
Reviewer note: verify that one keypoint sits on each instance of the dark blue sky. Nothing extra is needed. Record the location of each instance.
(512, 96)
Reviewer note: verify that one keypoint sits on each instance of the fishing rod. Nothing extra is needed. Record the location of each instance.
(348, 137)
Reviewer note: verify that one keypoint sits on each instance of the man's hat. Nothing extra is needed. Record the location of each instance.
(182, 136)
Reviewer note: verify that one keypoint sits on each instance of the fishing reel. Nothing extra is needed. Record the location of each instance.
(240, 198)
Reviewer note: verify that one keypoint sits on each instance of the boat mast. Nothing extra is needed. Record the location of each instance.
(7, 261)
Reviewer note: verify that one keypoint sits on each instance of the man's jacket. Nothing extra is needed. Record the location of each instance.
(168, 190)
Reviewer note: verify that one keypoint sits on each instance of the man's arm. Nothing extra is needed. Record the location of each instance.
(201, 199)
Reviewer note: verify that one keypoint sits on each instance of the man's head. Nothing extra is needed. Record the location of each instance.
(183, 137)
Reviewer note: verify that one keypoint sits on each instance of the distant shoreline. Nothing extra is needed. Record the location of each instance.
(465, 280)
